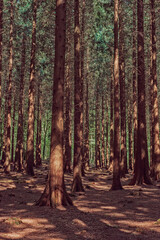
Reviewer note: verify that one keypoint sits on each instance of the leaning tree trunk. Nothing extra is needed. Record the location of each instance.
(78, 107)
(55, 193)
(155, 167)
(9, 97)
(13, 126)
(116, 184)
(141, 168)
(19, 146)
(30, 130)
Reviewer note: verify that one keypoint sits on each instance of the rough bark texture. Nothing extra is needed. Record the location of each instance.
(9, 95)
(54, 193)
(116, 184)
(19, 145)
(141, 168)
(155, 167)
(123, 161)
(78, 106)
(31, 102)
(1, 30)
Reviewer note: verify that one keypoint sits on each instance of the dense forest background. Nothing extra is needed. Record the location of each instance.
(107, 56)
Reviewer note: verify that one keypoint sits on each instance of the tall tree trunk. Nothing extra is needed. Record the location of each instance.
(67, 106)
(55, 193)
(111, 121)
(123, 162)
(103, 143)
(155, 168)
(97, 131)
(107, 142)
(19, 145)
(116, 184)
(39, 122)
(134, 79)
(78, 106)
(1, 33)
(141, 168)
(30, 131)
(13, 126)
(86, 135)
(9, 92)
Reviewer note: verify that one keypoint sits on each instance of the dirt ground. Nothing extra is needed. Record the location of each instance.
(131, 213)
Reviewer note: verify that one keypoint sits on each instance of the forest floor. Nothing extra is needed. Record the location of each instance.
(131, 213)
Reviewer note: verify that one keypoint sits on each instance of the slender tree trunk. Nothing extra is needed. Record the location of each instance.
(45, 136)
(30, 131)
(141, 168)
(155, 168)
(116, 184)
(1, 33)
(103, 143)
(78, 107)
(38, 137)
(134, 78)
(86, 136)
(111, 123)
(19, 145)
(123, 162)
(55, 193)
(97, 132)
(13, 127)
(107, 142)
(67, 118)
(9, 97)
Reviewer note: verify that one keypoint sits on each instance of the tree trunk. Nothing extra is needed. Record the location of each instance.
(19, 145)
(13, 127)
(67, 118)
(78, 107)
(86, 136)
(111, 123)
(1, 31)
(116, 184)
(103, 143)
(39, 122)
(54, 193)
(134, 79)
(123, 161)
(9, 97)
(30, 131)
(141, 168)
(97, 132)
(155, 168)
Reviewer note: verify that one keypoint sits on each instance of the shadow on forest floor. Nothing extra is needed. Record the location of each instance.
(98, 213)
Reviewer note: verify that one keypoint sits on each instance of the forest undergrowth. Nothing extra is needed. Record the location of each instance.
(131, 213)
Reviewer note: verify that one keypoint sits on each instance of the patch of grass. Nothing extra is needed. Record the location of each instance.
(14, 221)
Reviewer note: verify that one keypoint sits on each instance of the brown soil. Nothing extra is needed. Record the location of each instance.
(131, 213)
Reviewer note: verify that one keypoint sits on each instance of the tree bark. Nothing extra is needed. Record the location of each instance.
(103, 143)
(19, 145)
(155, 167)
(141, 168)
(9, 93)
(123, 160)
(39, 126)
(55, 193)
(116, 184)
(1, 34)
(30, 131)
(78, 107)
